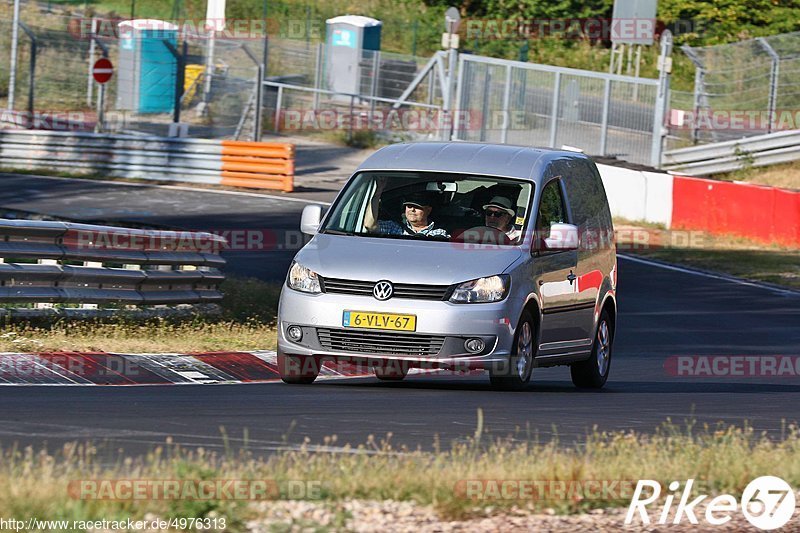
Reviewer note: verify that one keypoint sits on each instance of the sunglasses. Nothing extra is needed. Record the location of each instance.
(494, 214)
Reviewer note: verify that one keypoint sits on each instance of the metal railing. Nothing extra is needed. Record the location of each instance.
(47, 264)
(728, 156)
(293, 107)
(542, 105)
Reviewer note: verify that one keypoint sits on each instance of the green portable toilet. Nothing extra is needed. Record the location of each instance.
(146, 68)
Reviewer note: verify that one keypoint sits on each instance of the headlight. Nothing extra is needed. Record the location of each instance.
(482, 290)
(302, 279)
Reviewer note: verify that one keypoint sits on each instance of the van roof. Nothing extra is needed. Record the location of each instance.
(465, 157)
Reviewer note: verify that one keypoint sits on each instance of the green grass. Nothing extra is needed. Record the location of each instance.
(786, 176)
(737, 256)
(721, 460)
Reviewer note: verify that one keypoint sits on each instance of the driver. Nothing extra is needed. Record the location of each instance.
(415, 220)
(499, 213)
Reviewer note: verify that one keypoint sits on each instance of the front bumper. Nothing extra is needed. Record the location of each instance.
(492, 322)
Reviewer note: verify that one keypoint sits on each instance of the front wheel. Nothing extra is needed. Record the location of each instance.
(297, 370)
(391, 372)
(593, 372)
(517, 372)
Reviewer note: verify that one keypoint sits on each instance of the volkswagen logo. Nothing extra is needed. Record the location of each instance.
(383, 290)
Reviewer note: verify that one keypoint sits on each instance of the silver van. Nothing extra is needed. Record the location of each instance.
(460, 256)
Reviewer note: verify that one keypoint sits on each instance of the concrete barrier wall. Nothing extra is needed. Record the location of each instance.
(638, 195)
(764, 214)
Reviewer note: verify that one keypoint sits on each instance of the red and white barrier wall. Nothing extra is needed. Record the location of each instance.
(764, 214)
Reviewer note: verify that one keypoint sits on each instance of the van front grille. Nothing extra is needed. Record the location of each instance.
(379, 342)
(401, 290)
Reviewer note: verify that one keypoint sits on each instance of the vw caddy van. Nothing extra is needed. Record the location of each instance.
(459, 256)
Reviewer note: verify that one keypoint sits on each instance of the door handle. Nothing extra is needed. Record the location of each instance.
(571, 277)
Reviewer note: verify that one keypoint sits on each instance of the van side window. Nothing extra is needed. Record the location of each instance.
(586, 196)
(551, 208)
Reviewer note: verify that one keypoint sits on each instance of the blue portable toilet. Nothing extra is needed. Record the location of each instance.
(347, 38)
(146, 69)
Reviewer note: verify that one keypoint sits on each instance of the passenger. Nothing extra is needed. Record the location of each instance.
(415, 219)
(499, 214)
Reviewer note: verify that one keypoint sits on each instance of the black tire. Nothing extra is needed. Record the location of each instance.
(514, 374)
(296, 370)
(593, 372)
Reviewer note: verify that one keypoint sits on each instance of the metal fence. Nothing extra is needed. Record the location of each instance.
(495, 100)
(220, 79)
(540, 105)
(756, 76)
(68, 268)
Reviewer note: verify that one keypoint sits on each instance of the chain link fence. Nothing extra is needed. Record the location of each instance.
(756, 80)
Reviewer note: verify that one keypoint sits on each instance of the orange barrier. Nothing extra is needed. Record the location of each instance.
(258, 165)
(765, 214)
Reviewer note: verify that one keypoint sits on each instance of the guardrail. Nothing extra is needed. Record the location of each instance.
(45, 263)
(762, 150)
(234, 163)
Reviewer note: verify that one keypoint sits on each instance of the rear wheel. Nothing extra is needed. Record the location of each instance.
(517, 372)
(297, 370)
(593, 372)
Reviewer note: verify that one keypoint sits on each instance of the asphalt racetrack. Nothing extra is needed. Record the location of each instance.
(663, 313)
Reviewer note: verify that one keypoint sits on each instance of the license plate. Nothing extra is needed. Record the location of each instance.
(393, 321)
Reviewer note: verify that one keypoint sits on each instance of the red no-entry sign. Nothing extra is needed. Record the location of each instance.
(102, 70)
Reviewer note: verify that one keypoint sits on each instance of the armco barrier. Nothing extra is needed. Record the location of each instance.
(766, 214)
(47, 263)
(234, 163)
(727, 156)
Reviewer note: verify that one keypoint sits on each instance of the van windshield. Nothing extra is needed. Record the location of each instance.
(435, 206)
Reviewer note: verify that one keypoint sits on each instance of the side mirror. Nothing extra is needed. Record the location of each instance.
(562, 237)
(310, 219)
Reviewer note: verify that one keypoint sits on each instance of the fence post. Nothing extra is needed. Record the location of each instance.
(459, 114)
(12, 78)
(31, 85)
(259, 108)
(554, 110)
(604, 124)
(350, 127)
(278, 108)
(662, 98)
(318, 76)
(90, 80)
(376, 61)
(452, 61)
(487, 83)
(698, 100)
(259, 103)
(506, 98)
(179, 61)
(773, 80)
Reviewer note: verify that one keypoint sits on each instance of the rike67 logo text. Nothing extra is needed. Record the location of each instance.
(767, 502)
